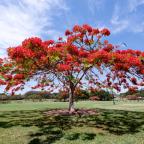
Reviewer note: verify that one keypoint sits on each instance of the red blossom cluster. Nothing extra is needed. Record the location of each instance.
(1, 60)
(63, 67)
(105, 32)
(73, 60)
(2, 82)
(19, 76)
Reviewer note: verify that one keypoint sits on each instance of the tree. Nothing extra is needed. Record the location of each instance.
(103, 95)
(81, 94)
(83, 58)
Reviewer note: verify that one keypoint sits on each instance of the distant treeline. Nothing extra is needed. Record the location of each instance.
(61, 96)
(133, 95)
(101, 95)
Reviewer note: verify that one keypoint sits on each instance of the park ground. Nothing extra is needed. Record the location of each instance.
(25, 122)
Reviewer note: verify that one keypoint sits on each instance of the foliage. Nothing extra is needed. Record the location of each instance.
(101, 95)
(132, 97)
(141, 93)
(94, 98)
(81, 94)
(4, 97)
(135, 95)
(62, 95)
(37, 95)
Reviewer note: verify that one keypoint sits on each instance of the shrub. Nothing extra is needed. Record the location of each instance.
(62, 96)
(94, 98)
(81, 94)
(103, 95)
(132, 97)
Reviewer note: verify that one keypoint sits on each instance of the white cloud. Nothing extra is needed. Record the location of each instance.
(20, 19)
(125, 17)
(94, 5)
(117, 24)
(133, 4)
(138, 28)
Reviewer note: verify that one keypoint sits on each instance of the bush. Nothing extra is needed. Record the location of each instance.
(38, 95)
(132, 97)
(81, 94)
(62, 95)
(4, 97)
(103, 95)
(94, 98)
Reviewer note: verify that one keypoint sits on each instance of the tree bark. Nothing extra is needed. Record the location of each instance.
(71, 98)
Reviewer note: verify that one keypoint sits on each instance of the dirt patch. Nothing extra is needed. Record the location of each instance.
(65, 112)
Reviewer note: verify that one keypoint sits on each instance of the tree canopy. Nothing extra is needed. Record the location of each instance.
(82, 58)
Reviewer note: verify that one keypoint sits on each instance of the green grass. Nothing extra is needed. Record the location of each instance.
(29, 105)
(25, 123)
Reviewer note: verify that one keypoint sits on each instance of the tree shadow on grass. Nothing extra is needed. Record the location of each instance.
(52, 128)
(51, 134)
(118, 122)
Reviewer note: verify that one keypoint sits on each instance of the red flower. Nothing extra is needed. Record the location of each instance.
(60, 38)
(2, 82)
(133, 89)
(9, 77)
(49, 42)
(7, 65)
(67, 32)
(63, 67)
(19, 76)
(142, 71)
(1, 60)
(69, 58)
(133, 80)
(34, 41)
(83, 53)
(105, 32)
(95, 31)
(109, 48)
(73, 50)
(88, 41)
(105, 42)
(77, 28)
(87, 27)
(20, 52)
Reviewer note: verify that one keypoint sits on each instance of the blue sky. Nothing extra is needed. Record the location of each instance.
(48, 19)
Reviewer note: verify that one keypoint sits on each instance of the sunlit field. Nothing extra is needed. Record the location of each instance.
(49, 104)
(24, 122)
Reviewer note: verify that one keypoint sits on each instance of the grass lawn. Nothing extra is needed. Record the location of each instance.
(25, 123)
(29, 105)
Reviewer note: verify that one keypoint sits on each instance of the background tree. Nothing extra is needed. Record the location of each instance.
(82, 59)
(102, 95)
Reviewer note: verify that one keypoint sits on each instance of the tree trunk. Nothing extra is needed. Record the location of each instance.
(71, 99)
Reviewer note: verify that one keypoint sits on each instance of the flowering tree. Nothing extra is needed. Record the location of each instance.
(82, 59)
